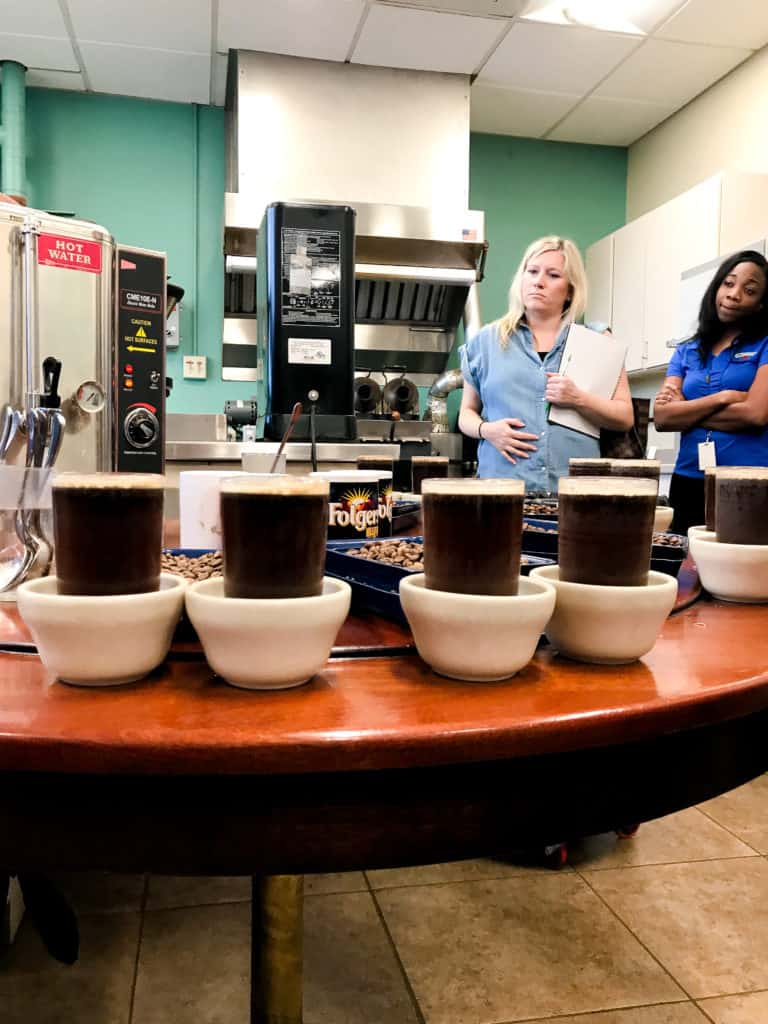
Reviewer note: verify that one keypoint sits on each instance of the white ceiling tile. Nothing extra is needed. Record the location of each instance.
(219, 96)
(742, 23)
(323, 29)
(552, 58)
(170, 25)
(72, 80)
(632, 15)
(609, 122)
(515, 111)
(33, 17)
(154, 74)
(39, 52)
(670, 73)
(396, 37)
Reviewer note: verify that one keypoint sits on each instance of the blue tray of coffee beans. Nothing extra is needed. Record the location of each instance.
(375, 584)
(667, 553)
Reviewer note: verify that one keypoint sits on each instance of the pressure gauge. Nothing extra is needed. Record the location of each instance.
(90, 396)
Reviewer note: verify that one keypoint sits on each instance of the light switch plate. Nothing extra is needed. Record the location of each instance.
(195, 367)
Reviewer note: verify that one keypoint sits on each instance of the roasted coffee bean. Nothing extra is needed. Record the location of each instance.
(202, 567)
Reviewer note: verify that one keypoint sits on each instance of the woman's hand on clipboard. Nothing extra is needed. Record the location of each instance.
(561, 390)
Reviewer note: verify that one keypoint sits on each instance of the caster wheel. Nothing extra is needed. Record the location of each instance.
(627, 831)
(556, 857)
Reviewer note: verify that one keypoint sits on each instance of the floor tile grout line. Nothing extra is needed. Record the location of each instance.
(667, 863)
(396, 953)
(597, 1013)
(707, 1015)
(730, 831)
(137, 958)
(636, 937)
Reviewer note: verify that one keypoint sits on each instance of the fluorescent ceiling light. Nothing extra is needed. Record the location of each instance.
(626, 16)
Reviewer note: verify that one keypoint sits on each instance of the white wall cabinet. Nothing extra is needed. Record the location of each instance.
(639, 267)
(599, 263)
(681, 233)
(743, 212)
(628, 302)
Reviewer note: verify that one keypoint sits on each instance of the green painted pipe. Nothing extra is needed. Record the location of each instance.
(13, 128)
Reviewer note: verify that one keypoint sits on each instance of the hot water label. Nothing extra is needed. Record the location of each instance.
(72, 253)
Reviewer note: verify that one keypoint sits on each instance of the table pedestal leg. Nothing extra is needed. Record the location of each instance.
(277, 936)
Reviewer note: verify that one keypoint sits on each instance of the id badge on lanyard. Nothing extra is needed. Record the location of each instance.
(707, 456)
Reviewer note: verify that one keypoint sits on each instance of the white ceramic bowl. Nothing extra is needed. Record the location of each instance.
(607, 625)
(267, 644)
(476, 637)
(663, 518)
(101, 641)
(731, 572)
(695, 529)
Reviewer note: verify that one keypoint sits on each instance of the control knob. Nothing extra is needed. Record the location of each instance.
(141, 428)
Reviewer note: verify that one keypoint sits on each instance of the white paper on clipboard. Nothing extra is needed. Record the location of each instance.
(594, 363)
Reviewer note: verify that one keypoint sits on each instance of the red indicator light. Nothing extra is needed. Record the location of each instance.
(129, 368)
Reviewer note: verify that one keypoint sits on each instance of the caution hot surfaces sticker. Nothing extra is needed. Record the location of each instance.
(140, 341)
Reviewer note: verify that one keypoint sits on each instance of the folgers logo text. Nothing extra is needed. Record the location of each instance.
(353, 511)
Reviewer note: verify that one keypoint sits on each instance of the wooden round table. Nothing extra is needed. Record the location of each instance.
(377, 762)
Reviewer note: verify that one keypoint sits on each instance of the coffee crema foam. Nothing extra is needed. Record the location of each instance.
(277, 485)
(109, 482)
(607, 486)
(643, 463)
(592, 462)
(741, 473)
(486, 487)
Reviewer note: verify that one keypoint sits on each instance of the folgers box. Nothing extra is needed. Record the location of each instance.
(357, 507)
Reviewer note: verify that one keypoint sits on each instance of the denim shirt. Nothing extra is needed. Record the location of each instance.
(511, 384)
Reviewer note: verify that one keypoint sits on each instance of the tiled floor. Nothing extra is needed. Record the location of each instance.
(667, 928)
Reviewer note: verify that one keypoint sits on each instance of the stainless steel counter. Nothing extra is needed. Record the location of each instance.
(295, 451)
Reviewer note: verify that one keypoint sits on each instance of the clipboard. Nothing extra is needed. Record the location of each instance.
(594, 363)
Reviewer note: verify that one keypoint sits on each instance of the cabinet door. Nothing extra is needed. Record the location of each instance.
(599, 260)
(681, 234)
(743, 211)
(628, 307)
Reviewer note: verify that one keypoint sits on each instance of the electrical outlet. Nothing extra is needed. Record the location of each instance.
(195, 367)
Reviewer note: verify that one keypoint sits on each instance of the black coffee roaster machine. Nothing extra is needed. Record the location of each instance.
(352, 318)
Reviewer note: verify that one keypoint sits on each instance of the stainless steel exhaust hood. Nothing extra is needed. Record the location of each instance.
(396, 148)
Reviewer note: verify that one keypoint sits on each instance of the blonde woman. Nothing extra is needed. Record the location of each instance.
(511, 375)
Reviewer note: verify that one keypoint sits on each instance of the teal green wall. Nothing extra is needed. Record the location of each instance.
(132, 165)
(529, 188)
(153, 174)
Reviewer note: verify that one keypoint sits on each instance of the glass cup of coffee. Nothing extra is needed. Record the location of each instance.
(108, 532)
(709, 497)
(274, 530)
(589, 467)
(427, 467)
(741, 504)
(648, 468)
(472, 535)
(606, 530)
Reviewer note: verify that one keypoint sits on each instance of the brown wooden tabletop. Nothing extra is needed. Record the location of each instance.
(377, 761)
(710, 663)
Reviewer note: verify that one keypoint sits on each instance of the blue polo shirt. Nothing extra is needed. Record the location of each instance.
(511, 383)
(735, 367)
